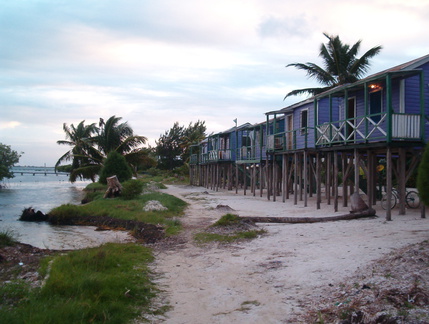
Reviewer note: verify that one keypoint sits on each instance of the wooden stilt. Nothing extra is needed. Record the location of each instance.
(305, 178)
(401, 180)
(335, 181)
(295, 189)
(318, 181)
(389, 184)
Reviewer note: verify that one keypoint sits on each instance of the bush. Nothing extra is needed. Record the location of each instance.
(115, 164)
(131, 189)
(423, 177)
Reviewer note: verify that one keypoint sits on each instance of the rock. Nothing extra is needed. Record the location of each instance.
(357, 205)
(154, 205)
(29, 215)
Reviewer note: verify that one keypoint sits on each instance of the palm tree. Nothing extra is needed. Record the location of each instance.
(119, 137)
(84, 157)
(91, 145)
(341, 65)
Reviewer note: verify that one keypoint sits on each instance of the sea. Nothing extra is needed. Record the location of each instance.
(43, 189)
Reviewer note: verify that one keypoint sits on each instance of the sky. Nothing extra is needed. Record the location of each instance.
(155, 63)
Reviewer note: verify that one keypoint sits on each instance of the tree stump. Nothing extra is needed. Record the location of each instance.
(114, 187)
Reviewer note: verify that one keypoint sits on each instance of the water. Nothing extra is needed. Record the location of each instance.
(44, 192)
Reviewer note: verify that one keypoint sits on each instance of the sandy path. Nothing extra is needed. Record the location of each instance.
(275, 277)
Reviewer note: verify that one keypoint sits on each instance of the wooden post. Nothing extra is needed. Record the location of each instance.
(401, 180)
(335, 181)
(389, 184)
(284, 177)
(344, 165)
(318, 181)
(274, 178)
(356, 171)
(328, 178)
(305, 178)
(295, 179)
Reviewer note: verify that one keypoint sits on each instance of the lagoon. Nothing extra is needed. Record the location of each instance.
(42, 189)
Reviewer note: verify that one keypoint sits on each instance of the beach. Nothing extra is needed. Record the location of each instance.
(279, 276)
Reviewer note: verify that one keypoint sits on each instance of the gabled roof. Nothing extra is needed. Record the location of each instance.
(408, 68)
(291, 107)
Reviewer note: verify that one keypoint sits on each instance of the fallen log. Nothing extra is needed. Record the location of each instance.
(358, 210)
(303, 220)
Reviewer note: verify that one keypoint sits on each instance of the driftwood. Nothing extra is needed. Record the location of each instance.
(114, 187)
(358, 207)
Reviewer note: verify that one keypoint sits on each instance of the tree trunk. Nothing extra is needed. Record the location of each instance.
(114, 187)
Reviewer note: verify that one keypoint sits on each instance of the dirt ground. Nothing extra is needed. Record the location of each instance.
(334, 272)
(358, 271)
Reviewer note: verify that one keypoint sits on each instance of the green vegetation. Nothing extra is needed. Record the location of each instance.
(7, 238)
(115, 164)
(226, 220)
(108, 284)
(423, 177)
(340, 65)
(126, 209)
(8, 158)
(173, 148)
(229, 228)
(227, 238)
(131, 189)
(90, 145)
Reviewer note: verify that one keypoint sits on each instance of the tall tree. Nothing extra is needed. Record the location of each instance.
(340, 65)
(119, 137)
(173, 147)
(85, 158)
(169, 148)
(91, 145)
(8, 158)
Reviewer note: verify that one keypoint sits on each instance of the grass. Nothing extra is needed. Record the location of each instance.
(7, 238)
(229, 231)
(227, 220)
(108, 284)
(205, 237)
(128, 210)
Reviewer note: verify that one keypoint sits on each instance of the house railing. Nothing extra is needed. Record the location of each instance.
(215, 156)
(406, 126)
(287, 141)
(249, 153)
(368, 128)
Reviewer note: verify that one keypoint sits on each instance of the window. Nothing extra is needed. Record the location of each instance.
(375, 105)
(304, 121)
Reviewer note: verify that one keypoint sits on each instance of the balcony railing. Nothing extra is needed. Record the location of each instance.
(370, 128)
(249, 153)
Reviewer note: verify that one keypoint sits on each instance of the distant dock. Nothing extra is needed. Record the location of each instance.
(34, 173)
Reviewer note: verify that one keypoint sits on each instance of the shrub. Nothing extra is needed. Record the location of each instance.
(115, 164)
(131, 189)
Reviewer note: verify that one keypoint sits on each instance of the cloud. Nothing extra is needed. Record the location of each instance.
(10, 124)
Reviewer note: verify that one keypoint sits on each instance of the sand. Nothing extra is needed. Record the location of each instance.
(276, 277)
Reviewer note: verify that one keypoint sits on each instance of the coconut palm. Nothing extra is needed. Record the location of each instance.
(341, 65)
(119, 137)
(91, 145)
(85, 159)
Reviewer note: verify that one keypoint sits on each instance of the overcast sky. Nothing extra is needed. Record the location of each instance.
(157, 62)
